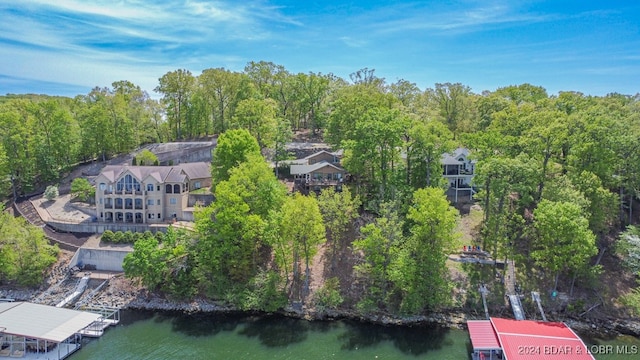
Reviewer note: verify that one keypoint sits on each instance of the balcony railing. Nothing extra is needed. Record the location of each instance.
(124, 192)
(325, 182)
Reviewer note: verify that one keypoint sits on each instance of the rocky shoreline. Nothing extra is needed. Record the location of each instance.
(121, 292)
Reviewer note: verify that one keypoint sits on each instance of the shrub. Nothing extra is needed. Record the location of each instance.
(51, 192)
(328, 296)
(631, 301)
(118, 237)
(108, 236)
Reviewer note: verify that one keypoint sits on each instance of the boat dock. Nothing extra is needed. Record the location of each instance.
(34, 331)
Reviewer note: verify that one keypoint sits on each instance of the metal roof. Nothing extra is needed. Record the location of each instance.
(42, 321)
(527, 339)
(482, 335)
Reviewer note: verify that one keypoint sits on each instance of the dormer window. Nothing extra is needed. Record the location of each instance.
(128, 183)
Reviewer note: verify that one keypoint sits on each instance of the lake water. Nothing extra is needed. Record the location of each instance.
(147, 335)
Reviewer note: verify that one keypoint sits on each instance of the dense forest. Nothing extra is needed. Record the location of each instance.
(557, 179)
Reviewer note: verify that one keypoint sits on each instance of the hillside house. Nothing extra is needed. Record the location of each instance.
(459, 170)
(148, 194)
(318, 171)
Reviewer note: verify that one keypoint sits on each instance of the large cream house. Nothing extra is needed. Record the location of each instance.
(148, 194)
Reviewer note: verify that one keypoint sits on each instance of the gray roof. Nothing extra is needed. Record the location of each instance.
(335, 153)
(196, 170)
(306, 169)
(174, 173)
(42, 321)
(452, 158)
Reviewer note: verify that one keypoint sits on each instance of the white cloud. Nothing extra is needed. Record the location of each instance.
(114, 9)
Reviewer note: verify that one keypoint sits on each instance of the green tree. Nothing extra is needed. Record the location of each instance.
(373, 154)
(454, 104)
(176, 88)
(146, 263)
(628, 248)
(234, 147)
(259, 118)
(543, 141)
(82, 189)
(425, 144)
(419, 271)
(508, 186)
(221, 90)
(15, 138)
(564, 241)
(146, 157)
(5, 171)
(311, 91)
(380, 243)
(302, 231)
(282, 136)
(96, 127)
(231, 230)
(25, 253)
(339, 210)
(347, 108)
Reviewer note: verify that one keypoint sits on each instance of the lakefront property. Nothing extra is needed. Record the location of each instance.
(148, 194)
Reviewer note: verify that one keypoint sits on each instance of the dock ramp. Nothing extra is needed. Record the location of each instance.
(80, 288)
(516, 306)
(536, 297)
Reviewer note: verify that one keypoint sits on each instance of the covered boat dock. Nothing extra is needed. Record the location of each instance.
(509, 339)
(34, 331)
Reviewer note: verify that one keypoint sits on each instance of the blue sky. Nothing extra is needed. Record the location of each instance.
(67, 47)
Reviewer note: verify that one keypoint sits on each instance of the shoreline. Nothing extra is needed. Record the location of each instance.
(450, 318)
(122, 293)
(139, 299)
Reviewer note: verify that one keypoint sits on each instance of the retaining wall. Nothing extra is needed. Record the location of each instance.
(99, 228)
(101, 259)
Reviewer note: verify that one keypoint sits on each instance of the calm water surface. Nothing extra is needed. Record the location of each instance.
(146, 335)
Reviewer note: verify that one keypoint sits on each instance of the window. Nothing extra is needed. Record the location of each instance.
(149, 202)
(100, 201)
(101, 215)
(176, 189)
(158, 188)
(159, 216)
(168, 188)
(173, 201)
(103, 186)
(158, 202)
(196, 185)
(128, 183)
(149, 216)
(149, 187)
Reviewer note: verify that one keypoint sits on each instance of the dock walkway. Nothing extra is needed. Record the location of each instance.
(510, 285)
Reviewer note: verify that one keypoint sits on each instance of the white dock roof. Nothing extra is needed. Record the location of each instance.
(42, 321)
